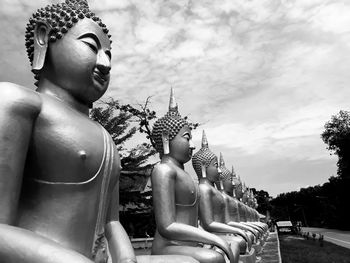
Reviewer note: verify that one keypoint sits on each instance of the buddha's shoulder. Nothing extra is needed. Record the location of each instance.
(206, 188)
(163, 169)
(16, 97)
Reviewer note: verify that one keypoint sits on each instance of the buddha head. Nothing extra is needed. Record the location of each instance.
(251, 198)
(172, 134)
(226, 176)
(245, 194)
(238, 187)
(69, 47)
(205, 162)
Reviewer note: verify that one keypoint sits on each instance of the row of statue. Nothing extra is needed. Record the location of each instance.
(59, 170)
(190, 213)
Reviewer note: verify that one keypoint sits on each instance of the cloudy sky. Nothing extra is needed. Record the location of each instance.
(262, 76)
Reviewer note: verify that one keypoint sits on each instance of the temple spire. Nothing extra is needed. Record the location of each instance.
(204, 140)
(172, 101)
(222, 162)
(233, 172)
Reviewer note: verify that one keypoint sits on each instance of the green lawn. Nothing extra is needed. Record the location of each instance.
(295, 249)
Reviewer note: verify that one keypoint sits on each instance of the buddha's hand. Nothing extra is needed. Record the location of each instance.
(222, 244)
(129, 261)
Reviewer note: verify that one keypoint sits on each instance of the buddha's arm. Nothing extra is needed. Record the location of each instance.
(18, 109)
(206, 216)
(229, 222)
(253, 226)
(243, 227)
(163, 187)
(118, 241)
(20, 245)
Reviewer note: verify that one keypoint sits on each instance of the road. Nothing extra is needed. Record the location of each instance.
(338, 237)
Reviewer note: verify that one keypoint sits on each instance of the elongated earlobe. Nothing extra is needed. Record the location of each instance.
(165, 140)
(204, 170)
(221, 185)
(41, 37)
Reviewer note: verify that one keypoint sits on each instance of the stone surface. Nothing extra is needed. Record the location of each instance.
(271, 250)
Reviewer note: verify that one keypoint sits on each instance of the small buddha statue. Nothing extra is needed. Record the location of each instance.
(239, 191)
(176, 197)
(59, 170)
(231, 209)
(212, 204)
(253, 214)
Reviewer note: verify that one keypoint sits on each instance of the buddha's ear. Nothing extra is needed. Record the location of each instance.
(165, 140)
(41, 41)
(204, 170)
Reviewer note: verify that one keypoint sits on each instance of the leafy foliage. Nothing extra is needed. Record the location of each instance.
(318, 206)
(337, 136)
(263, 200)
(122, 122)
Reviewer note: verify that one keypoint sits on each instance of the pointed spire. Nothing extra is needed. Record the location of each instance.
(222, 162)
(233, 172)
(204, 140)
(172, 101)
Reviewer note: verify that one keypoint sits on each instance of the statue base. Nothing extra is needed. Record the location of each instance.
(249, 257)
(165, 258)
(257, 247)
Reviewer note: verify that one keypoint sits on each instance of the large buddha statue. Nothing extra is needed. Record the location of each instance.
(231, 204)
(176, 197)
(59, 170)
(212, 203)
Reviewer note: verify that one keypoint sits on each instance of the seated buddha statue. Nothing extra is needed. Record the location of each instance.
(226, 187)
(253, 214)
(59, 170)
(240, 190)
(176, 197)
(212, 204)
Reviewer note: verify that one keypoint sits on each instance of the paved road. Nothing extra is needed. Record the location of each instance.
(338, 237)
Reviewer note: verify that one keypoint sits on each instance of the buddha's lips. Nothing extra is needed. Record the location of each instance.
(100, 77)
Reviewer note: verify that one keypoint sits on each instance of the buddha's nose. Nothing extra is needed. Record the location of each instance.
(192, 145)
(103, 63)
(219, 170)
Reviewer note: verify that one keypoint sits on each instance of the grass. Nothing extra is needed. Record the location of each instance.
(295, 249)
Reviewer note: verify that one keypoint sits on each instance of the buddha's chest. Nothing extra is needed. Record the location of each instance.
(66, 146)
(186, 190)
(218, 203)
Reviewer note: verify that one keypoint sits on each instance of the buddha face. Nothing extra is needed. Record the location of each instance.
(181, 146)
(239, 191)
(228, 186)
(213, 171)
(80, 62)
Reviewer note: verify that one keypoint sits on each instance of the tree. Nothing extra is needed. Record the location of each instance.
(122, 122)
(337, 136)
(263, 200)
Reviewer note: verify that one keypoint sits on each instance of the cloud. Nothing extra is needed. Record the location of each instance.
(262, 76)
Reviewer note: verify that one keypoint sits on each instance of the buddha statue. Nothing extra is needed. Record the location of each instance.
(59, 170)
(176, 197)
(241, 193)
(231, 204)
(253, 214)
(212, 203)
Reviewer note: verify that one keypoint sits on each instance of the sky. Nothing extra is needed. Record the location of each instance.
(261, 76)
